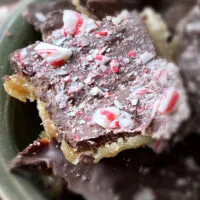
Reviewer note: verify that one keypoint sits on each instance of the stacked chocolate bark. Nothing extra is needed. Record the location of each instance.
(102, 87)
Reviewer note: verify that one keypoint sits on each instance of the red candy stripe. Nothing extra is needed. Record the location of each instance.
(169, 101)
(78, 24)
(110, 116)
(131, 54)
(102, 33)
(57, 63)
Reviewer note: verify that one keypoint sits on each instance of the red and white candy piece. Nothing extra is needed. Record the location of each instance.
(168, 101)
(74, 23)
(139, 92)
(54, 55)
(114, 65)
(105, 116)
(75, 87)
(21, 55)
(101, 33)
(101, 60)
(114, 124)
(113, 118)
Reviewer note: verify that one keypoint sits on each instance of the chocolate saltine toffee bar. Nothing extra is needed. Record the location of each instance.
(100, 87)
(132, 175)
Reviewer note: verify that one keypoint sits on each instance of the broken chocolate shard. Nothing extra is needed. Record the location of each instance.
(135, 95)
(127, 176)
(47, 16)
(41, 156)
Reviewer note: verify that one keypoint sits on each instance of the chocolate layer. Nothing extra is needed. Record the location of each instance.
(130, 175)
(87, 82)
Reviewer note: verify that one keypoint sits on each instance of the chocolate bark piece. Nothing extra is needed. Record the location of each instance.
(189, 62)
(103, 93)
(42, 156)
(47, 16)
(130, 175)
(45, 158)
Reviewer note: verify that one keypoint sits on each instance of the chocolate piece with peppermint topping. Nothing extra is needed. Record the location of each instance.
(47, 16)
(130, 175)
(97, 93)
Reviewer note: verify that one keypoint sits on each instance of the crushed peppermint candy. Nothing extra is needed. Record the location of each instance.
(101, 60)
(146, 56)
(118, 104)
(89, 25)
(134, 102)
(21, 55)
(72, 21)
(114, 64)
(101, 33)
(75, 87)
(55, 56)
(112, 117)
(131, 54)
(75, 23)
(96, 91)
(105, 116)
(114, 124)
(162, 77)
(168, 101)
(126, 121)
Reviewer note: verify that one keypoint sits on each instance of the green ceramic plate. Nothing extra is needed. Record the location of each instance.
(19, 123)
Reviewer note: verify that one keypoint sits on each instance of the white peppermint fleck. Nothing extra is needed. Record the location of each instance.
(82, 122)
(96, 91)
(118, 104)
(134, 102)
